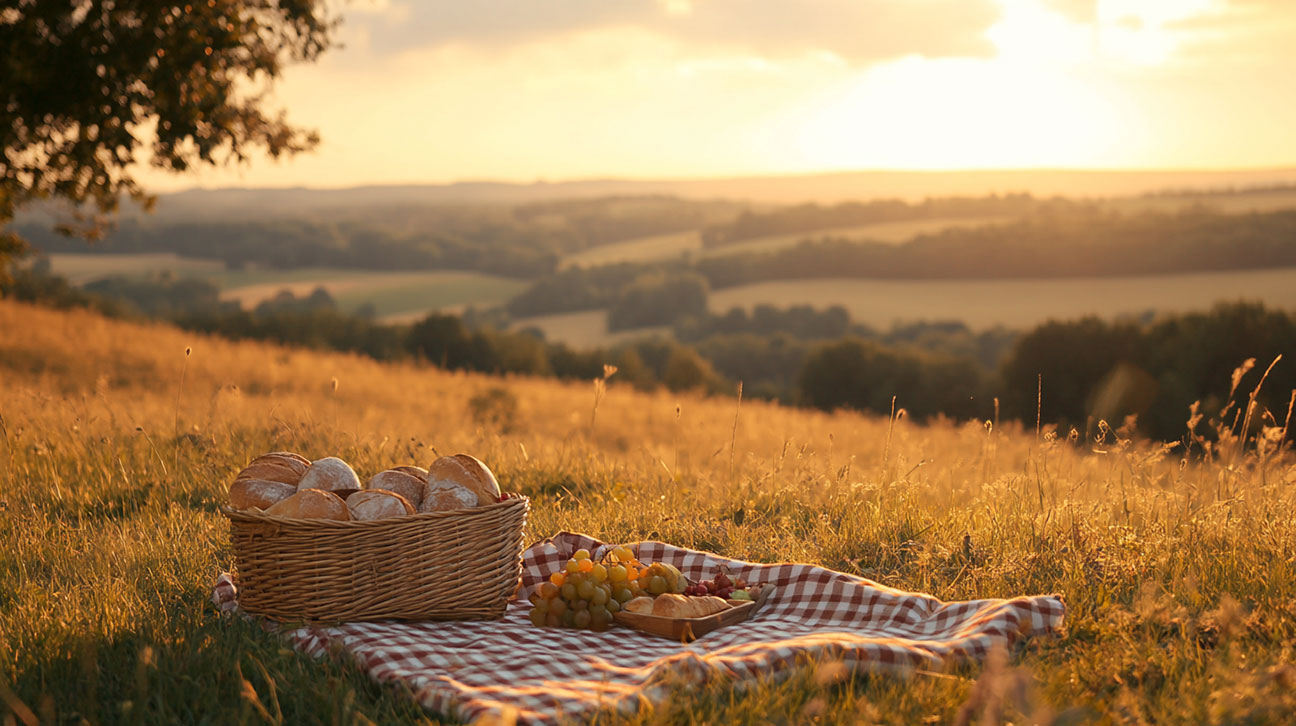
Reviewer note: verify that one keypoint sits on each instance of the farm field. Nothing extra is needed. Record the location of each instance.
(890, 232)
(1178, 574)
(82, 268)
(394, 295)
(584, 329)
(391, 293)
(676, 245)
(1243, 202)
(1016, 303)
(644, 249)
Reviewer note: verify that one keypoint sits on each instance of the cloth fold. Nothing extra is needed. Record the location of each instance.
(468, 670)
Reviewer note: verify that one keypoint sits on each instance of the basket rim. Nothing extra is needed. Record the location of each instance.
(248, 517)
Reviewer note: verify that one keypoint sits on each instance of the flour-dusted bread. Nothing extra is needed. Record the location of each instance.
(296, 461)
(642, 605)
(377, 504)
(417, 472)
(258, 493)
(403, 484)
(467, 472)
(446, 496)
(330, 474)
(311, 504)
(272, 470)
(672, 605)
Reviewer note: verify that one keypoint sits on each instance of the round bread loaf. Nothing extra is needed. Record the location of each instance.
(467, 472)
(417, 472)
(378, 504)
(398, 481)
(271, 471)
(330, 474)
(446, 496)
(259, 493)
(296, 462)
(311, 504)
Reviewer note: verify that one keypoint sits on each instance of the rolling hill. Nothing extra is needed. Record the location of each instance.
(119, 439)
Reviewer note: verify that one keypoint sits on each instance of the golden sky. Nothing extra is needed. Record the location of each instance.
(519, 90)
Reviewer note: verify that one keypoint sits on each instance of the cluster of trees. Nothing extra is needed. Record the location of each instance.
(806, 218)
(659, 299)
(1090, 370)
(797, 321)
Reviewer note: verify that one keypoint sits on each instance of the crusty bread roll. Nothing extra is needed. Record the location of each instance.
(290, 455)
(642, 605)
(311, 504)
(398, 481)
(417, 472)
(330, 474)
(270, 470)
(445, 496)
(260, 493)
(467, 472)
(378, 504)
(672, 605)
(295, 461)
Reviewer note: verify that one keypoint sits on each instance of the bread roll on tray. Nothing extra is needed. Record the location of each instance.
(672, 605)
(311, 504)
(377, 504)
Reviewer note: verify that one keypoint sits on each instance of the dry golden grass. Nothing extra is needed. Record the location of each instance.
(1180, 575)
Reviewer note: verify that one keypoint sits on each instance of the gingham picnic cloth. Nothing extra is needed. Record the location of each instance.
(510, 669)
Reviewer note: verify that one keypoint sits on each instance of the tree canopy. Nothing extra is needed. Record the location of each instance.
(86, 85)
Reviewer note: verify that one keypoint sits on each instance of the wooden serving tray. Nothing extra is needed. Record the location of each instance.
(684, 630)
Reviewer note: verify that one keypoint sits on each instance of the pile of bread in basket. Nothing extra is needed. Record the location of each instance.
(286, 484)
(311, 542)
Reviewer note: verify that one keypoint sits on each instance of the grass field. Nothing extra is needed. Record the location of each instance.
(1179, 574)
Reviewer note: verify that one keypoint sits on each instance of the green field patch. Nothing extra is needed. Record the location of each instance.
(419, 293)
(585, 329)
(82, 268)
(1015, 303)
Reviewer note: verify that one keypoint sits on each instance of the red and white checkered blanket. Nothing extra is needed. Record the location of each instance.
(509, 667)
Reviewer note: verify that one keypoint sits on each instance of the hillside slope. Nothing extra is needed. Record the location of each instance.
(1180, 578)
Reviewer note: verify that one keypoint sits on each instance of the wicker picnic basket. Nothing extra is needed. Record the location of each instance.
(460, 565)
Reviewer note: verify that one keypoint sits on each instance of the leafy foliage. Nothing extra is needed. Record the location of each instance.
(85, 82)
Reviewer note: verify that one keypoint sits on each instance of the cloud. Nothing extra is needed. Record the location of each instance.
(858, 31)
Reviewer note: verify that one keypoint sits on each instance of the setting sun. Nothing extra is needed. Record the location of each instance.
(664, 91)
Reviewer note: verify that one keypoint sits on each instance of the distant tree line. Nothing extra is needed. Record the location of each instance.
(1085, 371)
(1070, 245)
(522, 241)
(806, 218)
(1078, 241)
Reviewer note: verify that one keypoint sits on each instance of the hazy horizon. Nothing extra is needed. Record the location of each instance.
(430, 93)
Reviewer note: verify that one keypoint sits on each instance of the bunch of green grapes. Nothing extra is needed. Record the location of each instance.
(585, 594)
